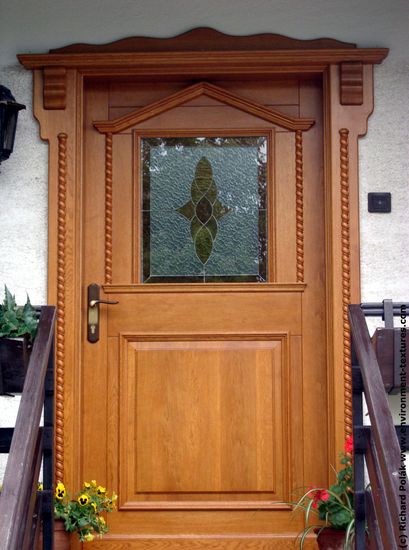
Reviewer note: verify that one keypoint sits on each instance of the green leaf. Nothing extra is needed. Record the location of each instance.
(9, 300)
(16, 321)
(349, 535)
(308, 511)
(340, 518)
(305, 533)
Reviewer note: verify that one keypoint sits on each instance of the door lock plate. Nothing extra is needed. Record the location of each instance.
(93, 312)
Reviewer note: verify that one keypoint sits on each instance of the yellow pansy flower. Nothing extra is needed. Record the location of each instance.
(101, 490)
(83, 499)
(87, 485)
(93, 483)
(89, 537)
(60, 491)
(40, 487)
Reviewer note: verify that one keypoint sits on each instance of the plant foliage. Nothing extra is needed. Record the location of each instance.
(335, 505)
(82, 513)
(17, 321)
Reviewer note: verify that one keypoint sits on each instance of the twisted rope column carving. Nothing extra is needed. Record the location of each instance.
(346, 281)
(108, 208)
(299, 185)
(60, 333)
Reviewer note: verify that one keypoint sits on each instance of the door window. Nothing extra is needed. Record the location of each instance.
(204, 209)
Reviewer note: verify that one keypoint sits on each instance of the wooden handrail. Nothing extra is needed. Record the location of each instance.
(383, 451)
(21, 475)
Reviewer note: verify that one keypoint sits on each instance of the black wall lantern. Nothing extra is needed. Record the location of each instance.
(9, 109)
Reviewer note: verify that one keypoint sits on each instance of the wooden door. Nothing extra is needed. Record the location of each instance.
(203, 402)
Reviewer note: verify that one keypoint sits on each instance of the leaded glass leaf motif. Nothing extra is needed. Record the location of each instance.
(204, 210)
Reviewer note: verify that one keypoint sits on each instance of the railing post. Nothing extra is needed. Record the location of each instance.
(359, 452)
(382, 456)
(48, 456)
(17, 500)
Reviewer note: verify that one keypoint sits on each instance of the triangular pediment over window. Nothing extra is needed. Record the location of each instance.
(211, 91)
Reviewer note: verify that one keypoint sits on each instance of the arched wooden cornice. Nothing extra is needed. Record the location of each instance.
(205, 39)
(209, 90)
(205, 51)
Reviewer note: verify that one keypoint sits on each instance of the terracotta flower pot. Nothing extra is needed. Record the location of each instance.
(61, 537)
(331, 539)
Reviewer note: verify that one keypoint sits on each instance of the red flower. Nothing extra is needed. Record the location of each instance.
(318, 496)
(349, 444)
(324, 495)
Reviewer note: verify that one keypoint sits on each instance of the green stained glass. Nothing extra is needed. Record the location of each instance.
(204, 209)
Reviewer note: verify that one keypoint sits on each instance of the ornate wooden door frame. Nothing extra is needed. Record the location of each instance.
(347, 76)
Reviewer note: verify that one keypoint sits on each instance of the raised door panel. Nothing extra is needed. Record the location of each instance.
(202, 421)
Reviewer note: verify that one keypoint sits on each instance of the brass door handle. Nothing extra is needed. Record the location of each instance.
(93, 312)
(93, 303)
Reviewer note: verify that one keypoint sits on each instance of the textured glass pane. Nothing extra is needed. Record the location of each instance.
(204, 209)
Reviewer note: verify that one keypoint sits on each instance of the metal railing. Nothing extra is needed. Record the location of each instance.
(22, 507)
(378, 506)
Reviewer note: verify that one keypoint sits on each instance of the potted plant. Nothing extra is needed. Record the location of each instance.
(18, 327)
(83, 512)
(333, 506)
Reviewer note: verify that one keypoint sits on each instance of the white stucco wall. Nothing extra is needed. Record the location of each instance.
(34, 27)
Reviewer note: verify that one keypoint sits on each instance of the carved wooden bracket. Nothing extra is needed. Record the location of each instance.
(55, 88)
(352, 83)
